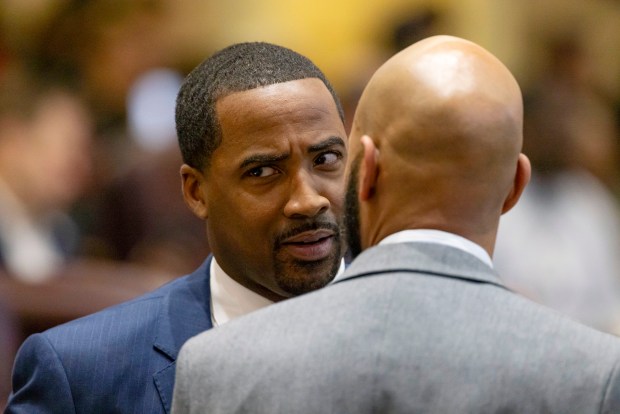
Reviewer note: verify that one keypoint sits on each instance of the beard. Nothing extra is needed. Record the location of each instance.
(352, 209)
(297, 277)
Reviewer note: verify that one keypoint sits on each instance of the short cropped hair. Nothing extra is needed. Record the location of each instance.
(237, 68)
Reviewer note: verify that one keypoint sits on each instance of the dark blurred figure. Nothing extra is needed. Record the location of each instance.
(144, 219)
(141, 219)
(414, 27)
(560, 246)
(45, 167)
(404, 29)
(571, 124)
(8, 346)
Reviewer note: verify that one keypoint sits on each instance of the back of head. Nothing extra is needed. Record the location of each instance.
(446, 118)
(237, 68)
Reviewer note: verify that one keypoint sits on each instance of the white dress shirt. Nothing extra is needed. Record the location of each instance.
(439, 237)
(230, 299)
(559, 246)
(29, 251)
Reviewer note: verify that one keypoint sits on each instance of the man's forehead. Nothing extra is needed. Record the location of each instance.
(295, 107)
(283, 91)
(277, 106)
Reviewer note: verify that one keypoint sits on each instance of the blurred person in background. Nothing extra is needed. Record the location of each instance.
(118, 52)
(45, 167)
(139, 221)
(561, 245)
(581, 126)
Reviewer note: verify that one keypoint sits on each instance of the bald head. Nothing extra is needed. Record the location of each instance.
(440, 129)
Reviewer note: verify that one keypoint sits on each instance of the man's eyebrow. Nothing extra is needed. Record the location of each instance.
(329, 142)
(263, 159)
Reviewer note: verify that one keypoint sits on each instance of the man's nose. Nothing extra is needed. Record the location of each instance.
(305, 199)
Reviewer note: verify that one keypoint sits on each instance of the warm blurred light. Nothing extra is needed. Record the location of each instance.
(343, 35)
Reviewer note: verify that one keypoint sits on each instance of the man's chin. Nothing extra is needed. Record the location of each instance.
(297, 277)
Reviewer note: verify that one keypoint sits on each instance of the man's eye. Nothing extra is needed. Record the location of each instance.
(328, 158)
(261, 172)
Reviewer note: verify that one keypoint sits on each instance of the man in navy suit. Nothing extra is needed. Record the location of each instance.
(264, 147)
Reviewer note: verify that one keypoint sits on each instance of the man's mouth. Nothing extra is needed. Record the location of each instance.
(310, 245)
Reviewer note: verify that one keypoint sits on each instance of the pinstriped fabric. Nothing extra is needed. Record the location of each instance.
(120, 360)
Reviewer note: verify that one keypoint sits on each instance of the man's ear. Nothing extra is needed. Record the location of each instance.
(369, 168)
(192, 186)
(522, 177)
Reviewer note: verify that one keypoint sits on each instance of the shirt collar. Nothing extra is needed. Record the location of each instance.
(230, 299)
(439, 237)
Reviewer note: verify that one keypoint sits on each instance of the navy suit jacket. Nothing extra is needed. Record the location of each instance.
(119, 360)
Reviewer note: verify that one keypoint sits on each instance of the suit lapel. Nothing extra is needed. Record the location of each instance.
(185, 313)
(428, 258)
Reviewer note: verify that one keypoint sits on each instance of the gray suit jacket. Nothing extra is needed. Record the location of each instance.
(409, 328)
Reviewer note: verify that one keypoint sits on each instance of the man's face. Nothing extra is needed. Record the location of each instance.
(274, 188)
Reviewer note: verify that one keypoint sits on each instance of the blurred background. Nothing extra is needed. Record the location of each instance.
(91, 211)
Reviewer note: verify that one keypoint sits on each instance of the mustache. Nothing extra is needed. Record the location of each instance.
(309, 226)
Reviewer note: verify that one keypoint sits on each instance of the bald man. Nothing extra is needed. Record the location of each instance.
(420, 322)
